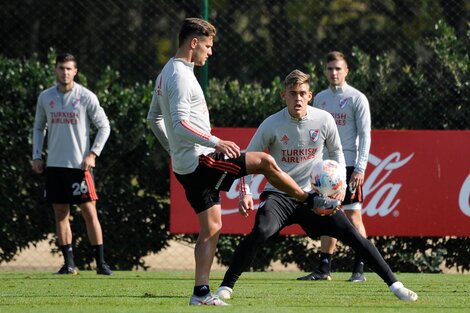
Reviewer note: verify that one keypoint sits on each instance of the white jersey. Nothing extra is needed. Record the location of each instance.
(179, 117)
(67, 117)
(296, 144)
(350, 109)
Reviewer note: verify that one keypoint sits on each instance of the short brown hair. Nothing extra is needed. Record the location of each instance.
(65, 57)
(336, 56)
(193, 26)
(296, 77)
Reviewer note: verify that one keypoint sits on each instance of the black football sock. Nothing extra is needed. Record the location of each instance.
(67, 253)
(98, 251)
(201, 290)
(325, 263)
(358, 265)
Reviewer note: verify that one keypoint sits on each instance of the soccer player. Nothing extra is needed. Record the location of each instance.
(66, 110)
(295, 138)
(350, 109)
(203, 163)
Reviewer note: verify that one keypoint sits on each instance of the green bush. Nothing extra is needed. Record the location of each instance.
(132, 174)
(24, 217)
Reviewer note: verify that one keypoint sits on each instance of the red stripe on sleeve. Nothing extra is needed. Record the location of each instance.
(196, 132)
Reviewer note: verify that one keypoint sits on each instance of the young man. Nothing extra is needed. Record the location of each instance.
(350, 110)
(203, 163)
(301, 131)
(67, 109)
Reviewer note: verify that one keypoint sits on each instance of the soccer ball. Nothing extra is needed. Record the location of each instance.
(328, 177)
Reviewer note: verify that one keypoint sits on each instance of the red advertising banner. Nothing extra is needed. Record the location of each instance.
(417, 184)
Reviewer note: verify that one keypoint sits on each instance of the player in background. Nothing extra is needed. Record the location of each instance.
(66, 110)
(350, 109)
(203, 163)
(295, 138)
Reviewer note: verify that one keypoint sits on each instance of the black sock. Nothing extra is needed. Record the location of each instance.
(325, 262)
(98, 250)
(67, 253)
(358, 265)
(201, 290)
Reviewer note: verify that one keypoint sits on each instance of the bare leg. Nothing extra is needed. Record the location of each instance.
(262, 163)
(93, 226)
(210, 224)
(328, 244)
(62, 223)
(355, 216)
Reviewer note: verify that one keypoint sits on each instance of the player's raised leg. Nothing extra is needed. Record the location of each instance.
(263, 163)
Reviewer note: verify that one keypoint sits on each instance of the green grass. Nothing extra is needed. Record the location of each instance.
(254, 292)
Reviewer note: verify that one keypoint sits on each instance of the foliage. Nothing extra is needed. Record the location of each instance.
(131, 175)
(24, 218)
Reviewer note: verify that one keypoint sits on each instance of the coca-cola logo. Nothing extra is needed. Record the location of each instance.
(382, 193)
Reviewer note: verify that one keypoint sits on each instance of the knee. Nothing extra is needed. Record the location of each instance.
(61, 213)
(216, 227)
(260, 235)
(212, 230)
(90, 215)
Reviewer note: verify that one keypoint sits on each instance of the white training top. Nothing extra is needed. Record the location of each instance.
(296, 144)
(178, 116)
(350, 109)
(67, 118)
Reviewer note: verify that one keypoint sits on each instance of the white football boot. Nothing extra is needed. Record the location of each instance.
(208, 299)
(224, 292)
(403, 293)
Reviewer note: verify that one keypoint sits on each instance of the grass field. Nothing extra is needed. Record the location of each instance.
(255, 292)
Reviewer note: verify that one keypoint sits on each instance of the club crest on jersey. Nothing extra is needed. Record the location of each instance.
(343, 102)
(314, 134)
(284, 139)
(323, 104)
(76, 103)
(52, 104)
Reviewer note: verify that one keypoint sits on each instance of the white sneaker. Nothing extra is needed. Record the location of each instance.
(406, 294)
(208, 299)
(224, 292)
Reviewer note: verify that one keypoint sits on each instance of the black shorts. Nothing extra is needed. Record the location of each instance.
(356, 195)
(69, 185)
(213, 174)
